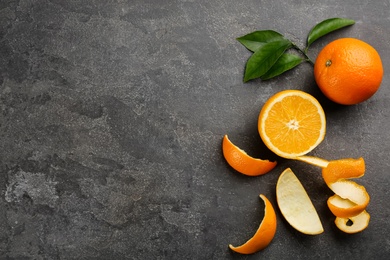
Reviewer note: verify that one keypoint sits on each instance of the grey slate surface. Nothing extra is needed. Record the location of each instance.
(112, 117)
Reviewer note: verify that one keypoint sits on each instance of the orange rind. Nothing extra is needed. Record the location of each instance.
(239, 160)
(345, 208)
(295, 205)
(264, 234)
(350, 199)
(343, 169)
(354, 224)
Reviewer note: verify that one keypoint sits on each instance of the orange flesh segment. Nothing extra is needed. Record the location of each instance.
(264, 234)
(239, 160)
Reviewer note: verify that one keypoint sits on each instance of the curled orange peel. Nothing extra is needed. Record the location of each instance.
(343, 169)
(239, 160)
(350, 199)
(353, 224)
(264, 234)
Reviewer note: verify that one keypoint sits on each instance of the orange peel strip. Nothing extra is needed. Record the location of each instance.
(351, 199)
(313, 161)
(359, 223)
(345, 208)
(264, 234)
(343, 169)
(239, 160)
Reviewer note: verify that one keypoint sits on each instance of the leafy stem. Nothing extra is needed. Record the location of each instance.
(270, 57)
(304, 53)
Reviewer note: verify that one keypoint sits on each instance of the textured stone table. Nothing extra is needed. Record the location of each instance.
(112, 117)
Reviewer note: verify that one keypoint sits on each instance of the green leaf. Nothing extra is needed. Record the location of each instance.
(264, 58)
(284, 63)
(326, 27)
(255, 40)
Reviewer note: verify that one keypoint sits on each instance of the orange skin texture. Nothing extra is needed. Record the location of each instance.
(346, 213)
(264, 234)
(340, 171)
(242, 162)
(348, 71)
(343, 169)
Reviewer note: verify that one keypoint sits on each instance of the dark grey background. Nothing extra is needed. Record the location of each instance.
(112, 117)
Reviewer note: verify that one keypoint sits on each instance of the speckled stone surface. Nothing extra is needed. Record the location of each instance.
(112, 117)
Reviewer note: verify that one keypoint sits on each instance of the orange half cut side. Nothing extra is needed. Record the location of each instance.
(292, 123)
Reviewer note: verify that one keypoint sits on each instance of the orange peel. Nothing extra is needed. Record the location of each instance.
(357, 223)
(343, 169)
(239, 160)
(264, 234)
(295, 204)
(350, 199)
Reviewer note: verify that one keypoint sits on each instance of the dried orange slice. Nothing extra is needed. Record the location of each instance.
(292, 123)
(242, 162)
(264, 234)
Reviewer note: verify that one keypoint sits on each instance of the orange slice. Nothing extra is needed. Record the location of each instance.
(295, 204)
(242, 162)
(354, 224)
(264, 234)
(292, 123)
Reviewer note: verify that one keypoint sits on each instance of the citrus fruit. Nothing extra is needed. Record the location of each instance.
(295, 204)
(292, 123)
(354, 224)
(348, 71)
(239, 160)
(264, 234)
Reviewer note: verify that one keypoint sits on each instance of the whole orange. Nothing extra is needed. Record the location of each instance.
(348, 71)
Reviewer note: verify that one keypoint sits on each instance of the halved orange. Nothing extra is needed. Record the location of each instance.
(292, 123)
(264, 234)
(242, 162)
